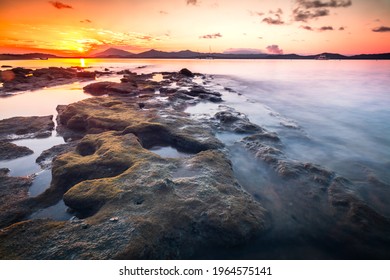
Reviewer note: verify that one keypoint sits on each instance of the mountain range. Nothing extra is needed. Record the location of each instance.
(187, 54)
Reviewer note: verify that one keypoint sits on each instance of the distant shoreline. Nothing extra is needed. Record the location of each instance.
(199, 56)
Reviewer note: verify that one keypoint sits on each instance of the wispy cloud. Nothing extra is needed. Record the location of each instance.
(274, 21)
(305, 15)
(325, 28)
(254, 13)
(60, 5)
(274, 49)
(85, 21)
(192, 2)
(273, 18)
(381, 29)
(278, 11)
(320, 4)
(163, 12)
(211, 36)
(307, 10)
(306, 27)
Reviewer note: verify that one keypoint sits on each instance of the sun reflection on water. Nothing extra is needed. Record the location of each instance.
(82, 62)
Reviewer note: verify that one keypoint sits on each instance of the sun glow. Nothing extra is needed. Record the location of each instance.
(82, 62)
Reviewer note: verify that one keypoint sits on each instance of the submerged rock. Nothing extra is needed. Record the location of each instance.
(326, 207)
(234, 121)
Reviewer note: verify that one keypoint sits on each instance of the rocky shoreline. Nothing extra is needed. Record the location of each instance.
(130, 203)
(22, 79)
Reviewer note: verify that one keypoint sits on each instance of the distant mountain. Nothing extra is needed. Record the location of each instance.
(160, 54)
(113, 52)
(371, 56)
(187, 54)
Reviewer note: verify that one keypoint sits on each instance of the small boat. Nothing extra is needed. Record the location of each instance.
(322, 57)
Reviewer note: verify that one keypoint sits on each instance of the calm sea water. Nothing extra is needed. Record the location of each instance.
(332, 113)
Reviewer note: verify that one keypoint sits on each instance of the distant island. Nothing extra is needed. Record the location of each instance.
(187, 54)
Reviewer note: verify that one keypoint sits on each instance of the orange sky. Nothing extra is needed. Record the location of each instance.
(81, 27)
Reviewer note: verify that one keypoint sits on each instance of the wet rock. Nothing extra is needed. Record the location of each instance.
(186, 72)
(11, 151)
(46, 157)
(21, 79)
(131, 198)
(110, 88)
(234, 121)
(13, 191)
(26, 127)
(142, 213)
(86, 74)
(331, 199)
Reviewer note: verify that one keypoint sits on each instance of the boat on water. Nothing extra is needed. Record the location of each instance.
(322, 57)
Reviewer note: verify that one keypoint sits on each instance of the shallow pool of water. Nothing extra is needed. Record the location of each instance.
(168, 152)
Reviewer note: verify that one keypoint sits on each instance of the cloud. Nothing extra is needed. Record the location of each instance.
(325, 28)
(381, 29)
(252, 13)
(304, 15)
(307, 10)
(274, 49)
(211, 36)
(278, 11)
(192, 2)
(342, 28)
(59, 5)
(320, 4)
(306, 27)
(163, 12)
(274, 21)
(243, 51)
(85, 21)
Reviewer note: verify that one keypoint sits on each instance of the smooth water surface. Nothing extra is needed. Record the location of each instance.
(335, 113)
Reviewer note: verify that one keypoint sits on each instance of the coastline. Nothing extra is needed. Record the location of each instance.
(114, 183)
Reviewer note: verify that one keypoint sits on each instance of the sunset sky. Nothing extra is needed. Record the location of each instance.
(82, 27)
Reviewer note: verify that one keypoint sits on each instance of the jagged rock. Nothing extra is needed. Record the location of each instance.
(11, 151)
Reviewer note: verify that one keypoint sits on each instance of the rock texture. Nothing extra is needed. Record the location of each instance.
(22, 79)
(13, 191)
(26, 127)
(131, 203)
(11, 151)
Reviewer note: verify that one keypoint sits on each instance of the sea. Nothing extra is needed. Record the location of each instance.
(332, 113)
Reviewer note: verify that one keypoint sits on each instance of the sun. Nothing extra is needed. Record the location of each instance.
(80, 49)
